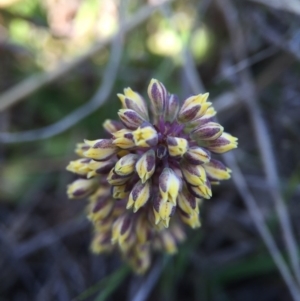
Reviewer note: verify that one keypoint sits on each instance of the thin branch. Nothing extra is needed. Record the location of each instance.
(35, 82)
(258, 218)
(49, 237)
(292, 6)
(260, 224)
(68, 121)
(250, 203)
(247, 93)
(272, 36)
(246, 63)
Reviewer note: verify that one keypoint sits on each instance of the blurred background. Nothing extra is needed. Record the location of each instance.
(62, 62)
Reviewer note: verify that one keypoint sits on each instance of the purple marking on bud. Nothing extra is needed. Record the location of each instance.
(104, 143)
(171, 141)
(173, 211)
(183, 213)
(126, 189)
(156, 203)
(158, 95)
(101, 203)
(140, 108)
(201, 121)
(131, 119)
(217, 164)
(79, 192)
(172, 107)
(163, 179)
(190, 198)
(189, 114)
(105, 168)
(137, 190)
(128, 136)
(152, 141)
(115, 179)
(220, 142)
(197, 192)
(86, 160)
(125, 225)
(112, 126)
(150, 160)
(197, 155)
(209, 131)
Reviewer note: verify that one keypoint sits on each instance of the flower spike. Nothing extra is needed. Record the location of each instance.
(148, 178)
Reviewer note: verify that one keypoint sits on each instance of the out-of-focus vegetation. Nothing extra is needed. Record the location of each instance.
(44, 237)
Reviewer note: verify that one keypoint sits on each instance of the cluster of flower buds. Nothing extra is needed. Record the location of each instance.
(148, 178)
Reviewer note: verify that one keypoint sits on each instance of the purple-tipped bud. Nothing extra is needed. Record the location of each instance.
(223, 144)
(125, 166)
(190, 219)
(187, 201)
(101, 243)
(101, 209)
(201, 191)
(130, 118)
(169, 185)
(172, 108)
(158, 95)
(134, 101)
(123, 139)
(208, 131)
(120, 192)
(112, 126)
(98, 168)
(145, 135)
(101, 149)
(216, 170)
(121, 229)
(115, 179)
(177, 146)
(81, 148)
(193, 107)
(197, 155)
(81, 188)
(207, 117)
(193, 174)
(139, 195)
(163, 210)
(80, 166)
(145, 166)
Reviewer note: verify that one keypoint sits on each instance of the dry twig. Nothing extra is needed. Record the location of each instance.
(292, 6)
(251, 205)
(247, 93)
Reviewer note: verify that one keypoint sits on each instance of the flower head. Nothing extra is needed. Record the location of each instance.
(148, 178)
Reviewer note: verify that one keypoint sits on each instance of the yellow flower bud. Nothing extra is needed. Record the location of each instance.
(223, 144)
(216, 170)
(177, 147)
(125, 166)
(101, 149)
(169, 185)
(139, 195)
(145, 166)
(193, 174)
(145, 135)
